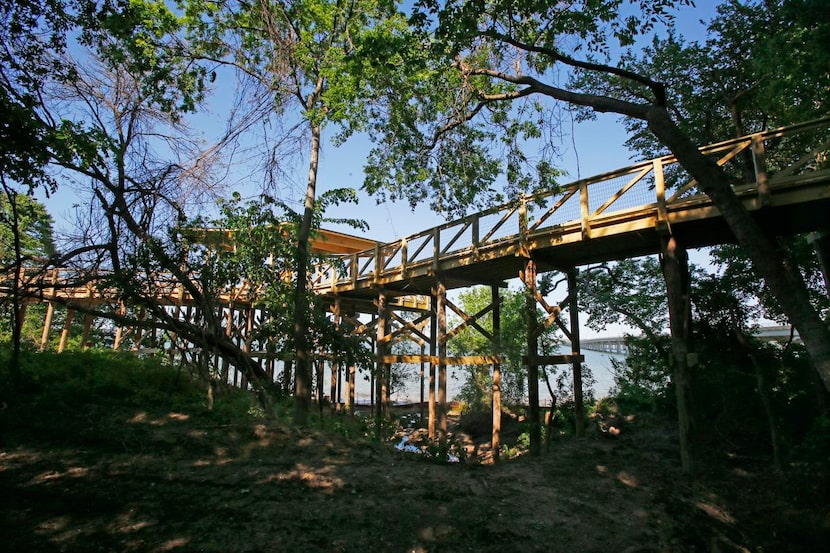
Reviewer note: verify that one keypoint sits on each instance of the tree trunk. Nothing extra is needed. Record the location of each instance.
(676, 273)
(302, 362)
(17, 302)
(779, 273)
(495, 439)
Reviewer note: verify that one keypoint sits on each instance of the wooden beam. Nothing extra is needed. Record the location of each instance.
(455, 361)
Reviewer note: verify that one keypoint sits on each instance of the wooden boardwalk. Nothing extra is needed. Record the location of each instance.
(620, 214)
(615, 215)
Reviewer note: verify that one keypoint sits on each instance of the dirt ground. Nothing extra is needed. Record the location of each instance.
(114, 478)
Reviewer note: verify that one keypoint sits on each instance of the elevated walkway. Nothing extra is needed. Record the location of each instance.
(615, 215)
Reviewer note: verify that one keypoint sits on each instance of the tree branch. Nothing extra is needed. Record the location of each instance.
(658, 89)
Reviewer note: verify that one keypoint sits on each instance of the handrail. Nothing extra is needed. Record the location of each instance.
(573, 204)
(580, 205)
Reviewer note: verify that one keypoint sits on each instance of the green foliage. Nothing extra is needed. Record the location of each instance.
(34, 224)
(764, 64)
(476, 392)
(468, 148)
(643, 381)
(100, 375)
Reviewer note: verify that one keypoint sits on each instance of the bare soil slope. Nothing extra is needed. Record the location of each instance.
(110, 477)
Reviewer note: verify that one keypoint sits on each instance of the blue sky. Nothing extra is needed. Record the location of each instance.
(593, 147)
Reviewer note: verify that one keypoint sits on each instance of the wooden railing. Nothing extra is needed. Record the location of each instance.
(646, 189)
(651, 187)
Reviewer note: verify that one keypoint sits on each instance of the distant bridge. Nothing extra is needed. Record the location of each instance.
(616, 344)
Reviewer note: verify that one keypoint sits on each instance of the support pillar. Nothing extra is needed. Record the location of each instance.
(441, 315)
(67, 326)
(495, 441)
(119, 331)
(675, 265)
(433, 366)
(421, 380)
(334, 394)
(573, 308)
(47, 325)
(352, 373)
(139, 330)
(85, 333)
(532, 361)
(380, 373)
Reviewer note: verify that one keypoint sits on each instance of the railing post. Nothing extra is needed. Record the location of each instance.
(353, 269)
(436, 249)
(759, 161)
(378, 262)
(660, 191)
(404, 255)
(584, 210)
(475, 231)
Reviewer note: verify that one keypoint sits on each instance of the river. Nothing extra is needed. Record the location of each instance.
(598, 362)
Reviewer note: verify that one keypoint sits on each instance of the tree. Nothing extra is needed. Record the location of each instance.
(477, 389)
(255, 242)
(507, 52)
(25, 239)
(763, 65)
(103, 91)
(35, 229)
(623, 293)
(304, 54)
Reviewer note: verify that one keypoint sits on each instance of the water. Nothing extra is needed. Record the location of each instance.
(598, 362)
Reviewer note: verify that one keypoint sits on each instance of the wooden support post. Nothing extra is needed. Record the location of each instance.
(247, 340)
(224, 370)
(47, 325)
(333, 384)
(759, 162)
(119, 331)
(660, 192)
(139, 330)
(380, 383)
(335, 366)
(67, 326)
(495, 441)
(85, 334)
(573, 308)
(320, 366)
(532, 354)
(352, 374)
(676, 274)
(423, 367)
(584, 210)
(287, 371)
(433, 366)
(442, 357)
